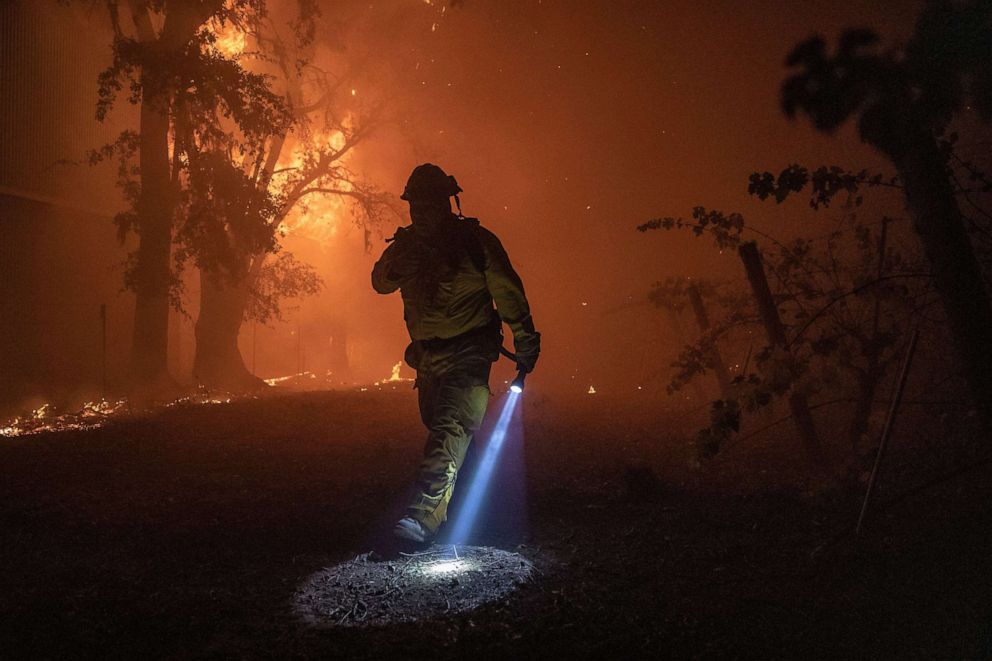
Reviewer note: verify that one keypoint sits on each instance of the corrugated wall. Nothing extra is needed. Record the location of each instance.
(36, 71)
(58, 253)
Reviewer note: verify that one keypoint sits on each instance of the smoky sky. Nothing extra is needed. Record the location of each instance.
(568, 123)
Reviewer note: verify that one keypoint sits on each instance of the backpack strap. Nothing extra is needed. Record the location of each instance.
(472, 240)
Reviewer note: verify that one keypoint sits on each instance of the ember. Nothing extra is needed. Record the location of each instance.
(45, 419)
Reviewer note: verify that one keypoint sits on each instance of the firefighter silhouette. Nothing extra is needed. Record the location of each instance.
(458, 288)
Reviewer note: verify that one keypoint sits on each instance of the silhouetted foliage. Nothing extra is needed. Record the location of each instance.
(824, 183)
(168, 66)
(903, 99)
(282, 277)
(226, 96)
(845, 300)
(725, 228)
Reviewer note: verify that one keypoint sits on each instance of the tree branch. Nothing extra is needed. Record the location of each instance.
(819, 313)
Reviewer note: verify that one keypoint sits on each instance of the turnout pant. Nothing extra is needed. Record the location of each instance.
(453, 387)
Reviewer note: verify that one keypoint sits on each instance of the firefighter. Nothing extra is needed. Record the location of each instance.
(450, 271)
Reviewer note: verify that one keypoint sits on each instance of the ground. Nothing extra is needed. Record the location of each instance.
(186, 533)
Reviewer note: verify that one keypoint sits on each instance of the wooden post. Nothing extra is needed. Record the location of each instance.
(676, 322)
(887, 430)
(798, 404)
(299, 347)
(251, 308)
(716, 360)
(103, 349)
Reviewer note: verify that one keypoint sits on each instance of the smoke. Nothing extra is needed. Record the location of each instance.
(567, 124)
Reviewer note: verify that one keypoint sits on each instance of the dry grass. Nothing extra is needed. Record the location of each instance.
(189, 534)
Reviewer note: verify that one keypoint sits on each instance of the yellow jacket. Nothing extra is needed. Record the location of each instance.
(450, 274)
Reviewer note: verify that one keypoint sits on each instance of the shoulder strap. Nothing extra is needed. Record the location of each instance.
(473, 243)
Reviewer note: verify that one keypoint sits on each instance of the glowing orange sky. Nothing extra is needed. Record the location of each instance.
(568, 123)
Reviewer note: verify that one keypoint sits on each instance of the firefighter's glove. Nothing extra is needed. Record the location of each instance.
(410, 255)
(527, 346)
(526, 362)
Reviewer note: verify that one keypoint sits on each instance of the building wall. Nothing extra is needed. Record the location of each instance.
(57, 267)
(59, 257)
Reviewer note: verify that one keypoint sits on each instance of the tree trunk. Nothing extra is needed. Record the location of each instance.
(957, 276)
(223, 303)
(149, 348)
(218, 362)
(156, 202)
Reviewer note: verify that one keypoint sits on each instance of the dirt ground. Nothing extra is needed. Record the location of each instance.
(185, 534)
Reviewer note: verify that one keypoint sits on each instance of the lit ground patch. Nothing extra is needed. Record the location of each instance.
(444, 580)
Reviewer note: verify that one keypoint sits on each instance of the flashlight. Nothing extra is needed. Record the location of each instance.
(517, 386)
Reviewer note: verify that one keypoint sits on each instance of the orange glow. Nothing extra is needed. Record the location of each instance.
(316, 216)
(231, 40)
(43, 419)
(395, 376)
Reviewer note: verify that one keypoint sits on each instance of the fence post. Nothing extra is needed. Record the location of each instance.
(675, 321)
(798, 404)
(716, 360)
(103, 350)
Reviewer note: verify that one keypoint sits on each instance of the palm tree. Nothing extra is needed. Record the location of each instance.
(903, 99)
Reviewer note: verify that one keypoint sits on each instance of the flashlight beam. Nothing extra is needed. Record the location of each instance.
(487, 467)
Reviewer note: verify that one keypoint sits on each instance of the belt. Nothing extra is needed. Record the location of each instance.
(490, 327)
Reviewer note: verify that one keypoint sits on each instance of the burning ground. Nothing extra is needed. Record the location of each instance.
(190, 533)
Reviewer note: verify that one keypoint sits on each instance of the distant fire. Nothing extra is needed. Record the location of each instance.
(316, 216)
(95, 414)
(92, 415)
(394, 376)
(231, 40)
(43, 419)
(285, 380)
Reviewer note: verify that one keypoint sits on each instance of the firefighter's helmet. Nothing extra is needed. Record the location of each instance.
(429, 182)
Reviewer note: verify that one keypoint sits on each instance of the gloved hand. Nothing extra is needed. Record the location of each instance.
(526, 362)
(527, 346)
(410, 254)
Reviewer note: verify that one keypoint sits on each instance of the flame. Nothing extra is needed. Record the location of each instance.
(43, 419)
(395, 376)
(92, 415)
(318, 215)
(231, 40)
(274, 381)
